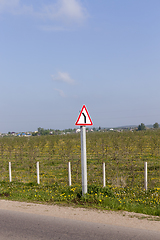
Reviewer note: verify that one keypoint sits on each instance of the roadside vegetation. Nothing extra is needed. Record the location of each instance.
(124, 154)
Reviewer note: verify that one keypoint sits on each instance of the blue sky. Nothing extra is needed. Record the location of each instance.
(57, 55)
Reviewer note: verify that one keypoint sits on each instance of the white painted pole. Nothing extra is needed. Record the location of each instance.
(104, 175)
(145, 176)
(69, 173)
(38, 179)
(10, 175)
(83, 160)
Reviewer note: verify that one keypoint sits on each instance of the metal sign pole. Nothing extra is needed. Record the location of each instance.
(83, 160)
(84, 120)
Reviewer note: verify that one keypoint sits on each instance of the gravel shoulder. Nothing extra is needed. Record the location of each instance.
(120, 218)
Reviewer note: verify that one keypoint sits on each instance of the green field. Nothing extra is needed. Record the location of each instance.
(124, 154)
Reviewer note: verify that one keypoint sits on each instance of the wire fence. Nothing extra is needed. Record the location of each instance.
(124, 155)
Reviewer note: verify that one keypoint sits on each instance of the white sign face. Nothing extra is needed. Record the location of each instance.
(84, 119)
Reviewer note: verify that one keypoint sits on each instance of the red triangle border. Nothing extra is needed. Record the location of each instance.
(84, 124)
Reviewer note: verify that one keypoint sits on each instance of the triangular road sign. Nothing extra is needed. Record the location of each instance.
(84, 119)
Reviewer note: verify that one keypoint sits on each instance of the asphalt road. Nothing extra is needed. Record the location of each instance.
(18, 226)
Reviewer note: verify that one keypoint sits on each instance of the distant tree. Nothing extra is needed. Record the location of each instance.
(40, 130)
(156, 125)
(141, 127)
(68, 130)
(57, 131)
(43, 131)
(34, 133)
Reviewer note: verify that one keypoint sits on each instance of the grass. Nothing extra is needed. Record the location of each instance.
(123, 153)
(108, 198)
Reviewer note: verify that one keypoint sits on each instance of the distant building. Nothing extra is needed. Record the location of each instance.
(13, 134)
(78, 130)
(23, 134)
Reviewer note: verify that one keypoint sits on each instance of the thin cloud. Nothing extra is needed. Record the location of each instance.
(66, 9)
(60, 91)
(54, 28)
(8, 4)
(14, 7)
(62, 10)
(63, 77)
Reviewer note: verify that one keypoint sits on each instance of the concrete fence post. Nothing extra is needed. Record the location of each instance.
(38, 179)
(10, 174)
(69, 173)
(145, 176)
(104, 175)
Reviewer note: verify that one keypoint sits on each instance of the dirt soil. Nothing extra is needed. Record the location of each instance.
(119, 218)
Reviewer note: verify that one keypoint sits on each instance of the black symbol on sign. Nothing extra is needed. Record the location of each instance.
(84, 117)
